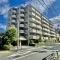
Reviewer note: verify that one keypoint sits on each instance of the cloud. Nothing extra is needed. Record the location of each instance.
(2, 26)
(39, 5)
(55, 20)
(3, 1)
(4, 7)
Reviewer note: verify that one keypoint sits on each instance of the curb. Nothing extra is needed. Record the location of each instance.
(4, 52)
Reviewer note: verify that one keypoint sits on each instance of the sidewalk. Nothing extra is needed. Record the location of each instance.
(14, 49)
(22, 49)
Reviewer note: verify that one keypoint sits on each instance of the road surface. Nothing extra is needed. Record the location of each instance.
(33, 54)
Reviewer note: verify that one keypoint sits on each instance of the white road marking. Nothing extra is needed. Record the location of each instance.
(18, 54)
(24, 56)
(23, 53)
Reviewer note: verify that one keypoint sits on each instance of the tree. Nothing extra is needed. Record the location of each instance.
(10, 35)
(1, 33)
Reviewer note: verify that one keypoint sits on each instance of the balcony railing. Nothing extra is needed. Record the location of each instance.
(43, 21)
(33, 37)
(33, 30)
(44, 25)
(38, 26)
(14, 16)
(44, 33)
(22, 10)
(39, 22)
(21, 31)
(22, 15)
(33, 14)
(33, 9)
(13, 21)
(21, 20)
(33, 25)
(38, 13)
(22, 25)
(38, 17)
(39, 32)
(14, 11)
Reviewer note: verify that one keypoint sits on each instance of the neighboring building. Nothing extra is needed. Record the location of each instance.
(32, 24)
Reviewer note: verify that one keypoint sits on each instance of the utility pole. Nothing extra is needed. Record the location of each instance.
(18, 31)
(18, 23)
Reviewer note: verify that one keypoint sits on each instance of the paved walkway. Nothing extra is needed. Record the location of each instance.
(14, 49)
(22, 49)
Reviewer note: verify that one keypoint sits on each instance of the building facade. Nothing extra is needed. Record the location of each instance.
(32, 24)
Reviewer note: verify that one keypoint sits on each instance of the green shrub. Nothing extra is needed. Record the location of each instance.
(7, 47)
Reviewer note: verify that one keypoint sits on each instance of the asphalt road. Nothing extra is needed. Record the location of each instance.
(34, 54)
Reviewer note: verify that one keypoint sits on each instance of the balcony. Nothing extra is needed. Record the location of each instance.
(22, 15)
(52, 35)
(52, 32)
(45, 29)
(38, 26)
(38, 13)
(38, 17)
(52, 29)
(33, 9)
(22, 25)
(33, 30)
(44, 17)
(13, 21)
(13, 16)
(44, 33)
(21, 31)
(44, 25)
(14, 11)
(21, 20)
(33, 25)
(38, 31)
(39, 22)
(48, 30)
(32, 20)
(33, 14)
(48, 34)
(33, 37)
(22, 10)
(43, 21)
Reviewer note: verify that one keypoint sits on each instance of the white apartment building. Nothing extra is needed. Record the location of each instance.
(32, 24)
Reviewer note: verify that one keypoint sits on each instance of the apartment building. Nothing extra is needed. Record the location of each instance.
(33, 18)
(32, 24)
(52, 31)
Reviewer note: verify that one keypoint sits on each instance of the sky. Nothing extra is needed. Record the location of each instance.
(49, 8)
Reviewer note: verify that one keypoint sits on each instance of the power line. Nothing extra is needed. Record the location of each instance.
(54, 9)
(56, 14)
(48, 8)
(45, 8)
